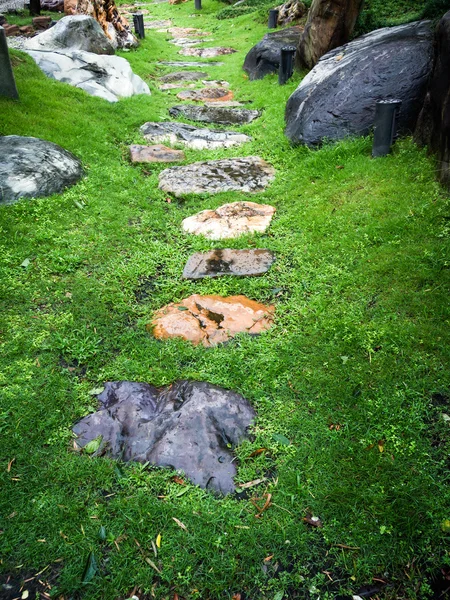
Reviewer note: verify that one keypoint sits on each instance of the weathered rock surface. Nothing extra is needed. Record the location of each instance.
(191, 426)
(290, 11)
(157, 24)
(215, 114)
(52, 5)
(30, 168)
(158, 154)
(206, 52)
(264, 58)
(107, 77)
(188, 42)
(183, 76)
(212, 94)
(78, 32)
(211, 320)
(230, 220)
(337, 98)
(190, 63)
(433, 127)
(191, 136)
(216, 263)
(247, 174)
(185, 32)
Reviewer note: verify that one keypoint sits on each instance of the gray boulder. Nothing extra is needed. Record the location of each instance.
(192, 426)
(107, 77)
(190, 136)
(337, 98)
(30, 168)
(76, 32)
(214, 114)
(264, 58)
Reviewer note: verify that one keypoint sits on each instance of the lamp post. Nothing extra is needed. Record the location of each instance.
(385, 126)
(138, 21)
(286, 68)
(273, 19)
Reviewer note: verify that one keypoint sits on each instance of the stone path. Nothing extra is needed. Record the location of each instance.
(206, 52)
(246, 174)
(183, 76)
(190, 63)
(221, 115)
(217, 263)
(212, 94)
(191, 136)
(155, 154)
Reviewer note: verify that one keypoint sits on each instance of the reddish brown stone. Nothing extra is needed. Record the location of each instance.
(11, 30)
(41, 23)
(211, 320)
(140, 154)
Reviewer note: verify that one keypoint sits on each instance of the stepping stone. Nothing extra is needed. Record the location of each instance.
(191, 136)
(224, 103)
(210, 83)
(32, 168)
(211, 320)
(210, 93)
(188, 42)
(190, 63)
(157, 24)
(215, 114)
(216, 263)
(155, 154)
(247, 174)
(192, 426)
(230, 220)
(207, 52)
(182, 76)
(185, 32)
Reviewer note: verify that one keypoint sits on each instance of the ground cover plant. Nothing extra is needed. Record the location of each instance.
(351, 385)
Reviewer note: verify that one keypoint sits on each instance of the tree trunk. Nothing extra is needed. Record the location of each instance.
(330, 24)
(116, 27)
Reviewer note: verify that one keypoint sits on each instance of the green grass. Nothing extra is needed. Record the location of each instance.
(355, 372)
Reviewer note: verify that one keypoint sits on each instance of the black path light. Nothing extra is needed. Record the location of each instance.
(385, 126)
(286, 68)
(35, 8)
(138, 21)
(7, 83)
(273, 19)
(198, 4)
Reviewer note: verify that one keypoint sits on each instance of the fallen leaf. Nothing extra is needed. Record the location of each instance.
(181, 492)
(8, 468)
(257, 452)
(158, 540)
(90, 569)
(268, 558)
(250, 484)
(25, 594)
(236, 597)
(68, 295)
(179, 523)
(281, 439)
(313, 521)
(96, 391)
(178, 480)
(381, 445)
(93, 445)
(25, 263)
(152, 564)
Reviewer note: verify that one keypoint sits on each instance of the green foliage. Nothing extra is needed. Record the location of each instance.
(351, 386)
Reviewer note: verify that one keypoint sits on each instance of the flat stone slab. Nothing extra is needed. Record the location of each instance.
(187, 32)
(107, 77)
(211, 83)
(157, 24)
(240, 263)
(230, 220)
(31, 168)
(158, 154)
(212, 94)
(189, 42)
(207, 52)
(192, 426)
(246, 174)
(211, 320)
(191, 136)
(190, 63)
(183, 76)
(221, 115)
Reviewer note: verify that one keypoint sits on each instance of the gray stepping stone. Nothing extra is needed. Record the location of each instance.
(190, 425)
(207, 52)
(246, 174)
(32, 168)
(182, 76)
(222, 115)
(190, 63)
(189, 42)
(155, 154)
(216, 263)
(212, 94)
(191, 136)
(230, 220)
(157, 24)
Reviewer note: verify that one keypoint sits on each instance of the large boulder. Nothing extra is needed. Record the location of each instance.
(78, 32)
(107, 77)
(30, 168)
(433, 126)
(337, 98)
(264, 58)
(190, 425)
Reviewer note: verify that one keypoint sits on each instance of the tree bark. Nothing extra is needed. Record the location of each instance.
(330, 24)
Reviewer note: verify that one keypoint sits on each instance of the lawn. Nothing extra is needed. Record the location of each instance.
(351, 385)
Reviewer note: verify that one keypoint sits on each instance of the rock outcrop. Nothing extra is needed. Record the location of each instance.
(264, 58)
(433, 127)
(337, 98)
(191, 426)
(30, 168)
